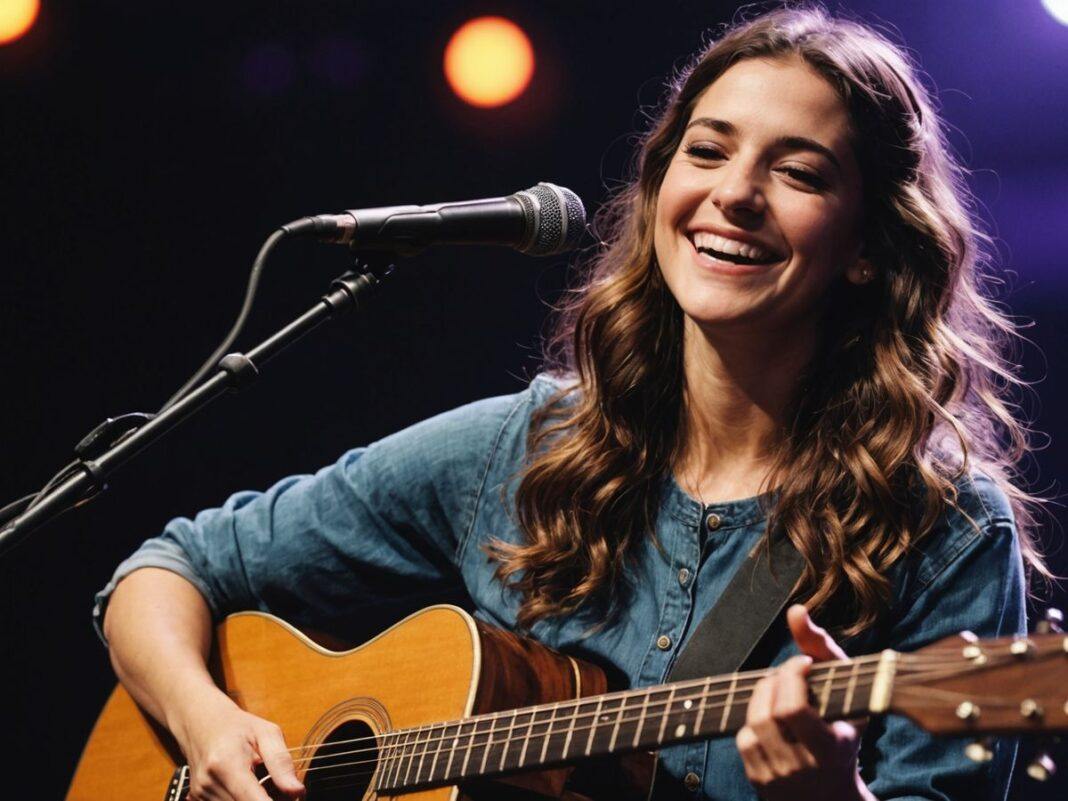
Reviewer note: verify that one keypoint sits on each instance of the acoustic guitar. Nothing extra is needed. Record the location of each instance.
(442, 706)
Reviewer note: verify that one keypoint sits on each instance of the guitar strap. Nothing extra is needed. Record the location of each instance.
(729, 634)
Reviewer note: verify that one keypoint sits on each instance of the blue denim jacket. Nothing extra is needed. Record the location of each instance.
(401, 524)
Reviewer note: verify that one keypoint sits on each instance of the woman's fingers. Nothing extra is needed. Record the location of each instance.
(793, 712)
(227, 777)
(225, 745)
(276, 758)
(810, 638)
(776, 699)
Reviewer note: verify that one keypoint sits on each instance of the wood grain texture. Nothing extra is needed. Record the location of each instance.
(436, 665)
(421, 670)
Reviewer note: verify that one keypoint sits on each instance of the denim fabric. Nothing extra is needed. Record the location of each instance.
(402, 523)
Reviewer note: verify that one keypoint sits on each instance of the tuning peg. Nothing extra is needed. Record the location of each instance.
(1042, 767)
(980, 750)
(1052, 623)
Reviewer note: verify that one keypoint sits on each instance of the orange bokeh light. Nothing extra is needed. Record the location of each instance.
(489, 61)
(17, 17)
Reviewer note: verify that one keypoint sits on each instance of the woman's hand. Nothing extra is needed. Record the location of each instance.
(224, 744)
(789, 752)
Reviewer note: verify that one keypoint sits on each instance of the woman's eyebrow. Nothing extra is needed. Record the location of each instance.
(789, 142)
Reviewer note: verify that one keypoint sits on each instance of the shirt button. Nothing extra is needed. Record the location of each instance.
(684, 576)
(713, 521)
(692, 781)
(663, 642)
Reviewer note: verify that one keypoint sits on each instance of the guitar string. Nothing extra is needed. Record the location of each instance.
(490, 743)
(843, 678)
(343, 780)
(419, 749)
(624, 696)
(411, 757)
(493, 717)
(650, 708)
(391, 739)
(513, 737)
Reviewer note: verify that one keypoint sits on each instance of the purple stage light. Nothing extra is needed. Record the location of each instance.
(1058, 9)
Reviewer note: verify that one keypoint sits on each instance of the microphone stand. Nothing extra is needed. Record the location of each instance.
(237, 370)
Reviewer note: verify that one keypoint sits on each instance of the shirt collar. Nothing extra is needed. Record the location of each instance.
(732, 514)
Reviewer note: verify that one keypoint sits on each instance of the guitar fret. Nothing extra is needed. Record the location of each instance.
(508, 740)
(689, 707)
(410, 754)
(442, 739)
(439, 732)
(850, 688)
(382, 768)
(619, 719)
(391, 763)
(701, 698)
(641, 719)
(593, 726)
(570, 730)
(825, 694)
(526, 739)
(398, 757)
(665, 714)
(425, 750)
(489, 741)
(454, 746)
(729, 703)
(469, 748)
(548, 732)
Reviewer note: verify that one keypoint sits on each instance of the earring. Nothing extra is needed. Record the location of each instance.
(866, 274)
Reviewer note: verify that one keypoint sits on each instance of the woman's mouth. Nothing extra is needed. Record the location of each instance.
(732, 251)
(729, 257)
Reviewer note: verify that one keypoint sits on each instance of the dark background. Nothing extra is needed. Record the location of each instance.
(146, 149)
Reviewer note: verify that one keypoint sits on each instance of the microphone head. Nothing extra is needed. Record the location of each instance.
(555, 219)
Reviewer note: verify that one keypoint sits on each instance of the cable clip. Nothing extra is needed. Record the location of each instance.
(241, 369)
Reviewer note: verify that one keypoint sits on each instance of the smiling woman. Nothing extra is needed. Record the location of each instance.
(782, 333)
(760, 209)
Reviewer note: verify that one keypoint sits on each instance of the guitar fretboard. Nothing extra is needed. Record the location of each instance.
(644, 719)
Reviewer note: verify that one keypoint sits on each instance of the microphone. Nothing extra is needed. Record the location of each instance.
(539, 221)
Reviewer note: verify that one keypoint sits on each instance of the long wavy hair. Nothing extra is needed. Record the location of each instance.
(909, 390)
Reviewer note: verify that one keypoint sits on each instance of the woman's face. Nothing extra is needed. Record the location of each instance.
(759, 210)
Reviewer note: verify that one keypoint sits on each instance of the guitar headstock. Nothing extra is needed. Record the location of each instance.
(963, 685)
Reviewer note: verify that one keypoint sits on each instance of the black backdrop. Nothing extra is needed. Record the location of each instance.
(146, 151)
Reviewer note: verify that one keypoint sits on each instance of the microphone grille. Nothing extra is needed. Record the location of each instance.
(556, 219)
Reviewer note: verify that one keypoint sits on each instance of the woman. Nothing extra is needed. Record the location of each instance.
(783, 330)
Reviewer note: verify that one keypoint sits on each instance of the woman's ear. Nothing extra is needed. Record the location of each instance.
(860, 272)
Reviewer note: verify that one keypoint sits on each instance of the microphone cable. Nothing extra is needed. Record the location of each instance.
(27, 502)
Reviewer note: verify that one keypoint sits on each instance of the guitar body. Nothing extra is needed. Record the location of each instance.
(438, 664)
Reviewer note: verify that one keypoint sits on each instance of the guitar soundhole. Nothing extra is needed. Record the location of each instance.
(342, 766)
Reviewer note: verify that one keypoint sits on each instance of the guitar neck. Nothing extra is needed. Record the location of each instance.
(643, 719)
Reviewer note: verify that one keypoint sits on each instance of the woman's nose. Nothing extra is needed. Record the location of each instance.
(738, 191)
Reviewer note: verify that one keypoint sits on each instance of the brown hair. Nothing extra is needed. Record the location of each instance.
(906, 394)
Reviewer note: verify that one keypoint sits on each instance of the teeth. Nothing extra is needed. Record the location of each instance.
(705, 239)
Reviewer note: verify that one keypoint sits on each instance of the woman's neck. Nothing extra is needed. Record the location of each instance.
(738, 390)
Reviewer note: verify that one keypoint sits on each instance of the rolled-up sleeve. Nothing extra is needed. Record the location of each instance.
(379, 527)
(972, 580)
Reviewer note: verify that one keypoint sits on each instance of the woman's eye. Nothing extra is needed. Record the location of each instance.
(805, 176)
(704, 152)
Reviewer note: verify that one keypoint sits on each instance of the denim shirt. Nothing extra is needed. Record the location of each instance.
(402, 523)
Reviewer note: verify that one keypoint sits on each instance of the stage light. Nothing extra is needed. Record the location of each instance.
(489, 61)
(1058, 9)
(17, 17)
